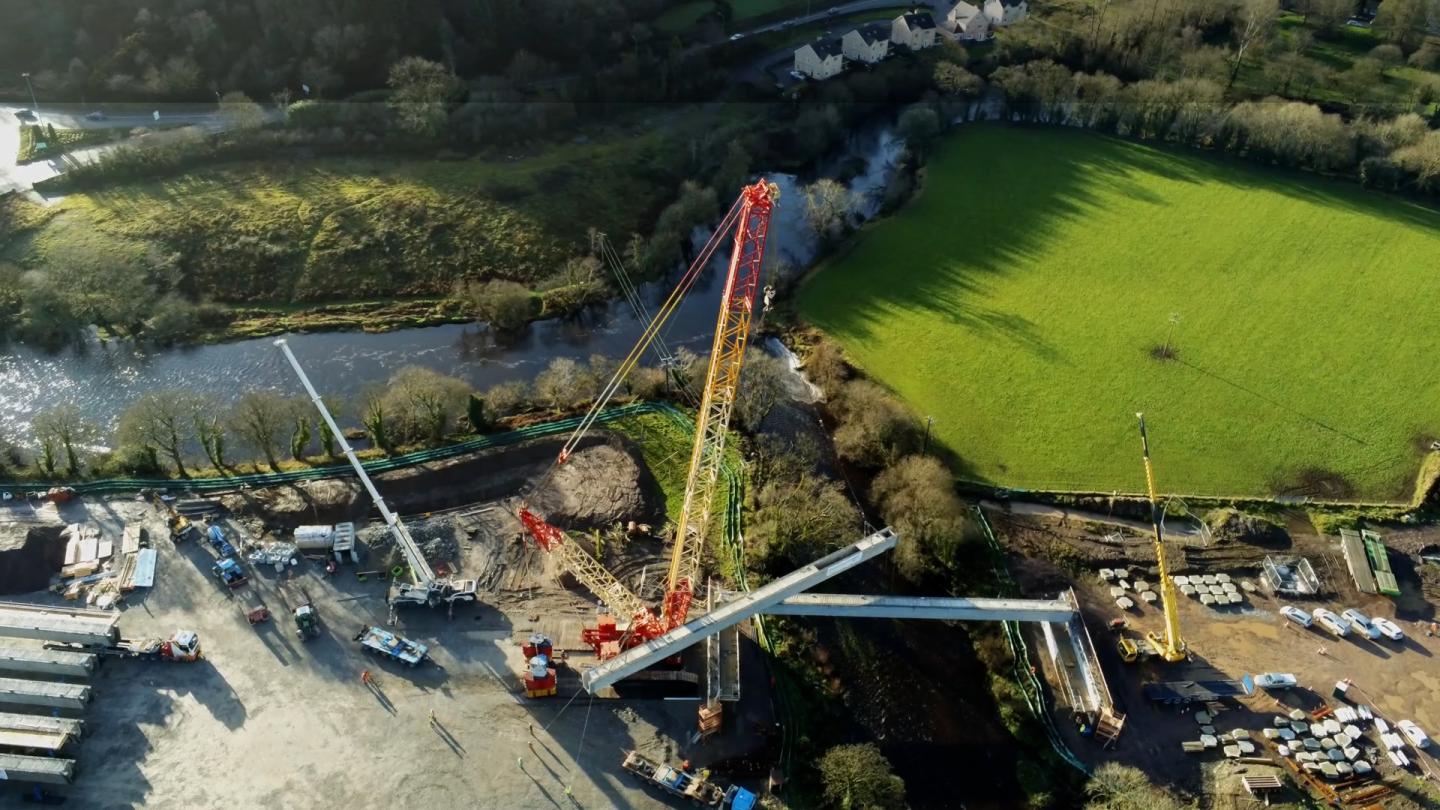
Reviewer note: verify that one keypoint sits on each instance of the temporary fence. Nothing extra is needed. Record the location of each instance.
(1024, 672)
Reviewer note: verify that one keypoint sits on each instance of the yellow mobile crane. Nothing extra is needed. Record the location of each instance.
(1171, 647)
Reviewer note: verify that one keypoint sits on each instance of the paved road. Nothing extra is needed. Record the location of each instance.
(19, 178)
(759, 70)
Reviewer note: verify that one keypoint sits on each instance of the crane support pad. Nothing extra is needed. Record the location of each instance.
(732, 613)
(78, 625)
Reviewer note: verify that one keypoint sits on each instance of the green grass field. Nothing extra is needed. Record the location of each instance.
(358, 228)
(1019, 297)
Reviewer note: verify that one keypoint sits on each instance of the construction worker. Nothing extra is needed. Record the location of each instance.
(365, 677)
(432, 717)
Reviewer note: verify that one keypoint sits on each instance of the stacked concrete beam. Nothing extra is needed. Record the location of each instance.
(48, 770)
(44, 693)
(74, 625)
(40, 722)
(52, 741)
(15, 658)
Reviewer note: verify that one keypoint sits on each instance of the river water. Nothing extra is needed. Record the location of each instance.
(102, 379)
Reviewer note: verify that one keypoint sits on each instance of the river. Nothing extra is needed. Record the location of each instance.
(103, 378)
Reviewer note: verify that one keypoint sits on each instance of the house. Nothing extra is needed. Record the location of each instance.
(1005, 12)
(967, 22)
(820, 59)
(915, 30)
(869, 43)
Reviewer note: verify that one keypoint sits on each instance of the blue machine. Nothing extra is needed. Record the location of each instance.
(222, 546)
(738, 798)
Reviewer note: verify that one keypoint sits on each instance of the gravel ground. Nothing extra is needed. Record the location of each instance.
(267, 720)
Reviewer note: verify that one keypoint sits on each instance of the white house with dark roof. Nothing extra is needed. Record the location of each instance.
(1006, 12)
(869, 43)
(967, 22)
(915, 30)
(820, 59)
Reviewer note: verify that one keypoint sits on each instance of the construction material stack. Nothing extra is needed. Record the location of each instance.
(693, 785)
(539, 677)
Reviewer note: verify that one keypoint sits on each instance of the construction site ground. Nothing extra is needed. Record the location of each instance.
(1401, 680)
(269, 720)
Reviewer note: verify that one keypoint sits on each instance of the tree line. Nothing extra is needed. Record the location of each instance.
(174, 432)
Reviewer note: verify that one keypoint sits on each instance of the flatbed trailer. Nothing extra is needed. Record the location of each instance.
(184, 645)
(692, 785)
(380, 641)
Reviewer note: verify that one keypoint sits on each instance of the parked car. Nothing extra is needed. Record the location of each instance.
(1275, 680)
(833, 10)
(1331, 622)
(1361, 623)
(95, 116)
(797, 75)
(1296, 615)
(736, 37)
(1413, 733)
(1388, 629)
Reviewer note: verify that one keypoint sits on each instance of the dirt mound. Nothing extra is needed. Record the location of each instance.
(1233, 526)
(29, 557)
(596, 488)
(326, 500)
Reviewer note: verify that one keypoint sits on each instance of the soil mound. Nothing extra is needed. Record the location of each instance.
(1232, 526)
(29, 557)
(325, 500)
(596, 488)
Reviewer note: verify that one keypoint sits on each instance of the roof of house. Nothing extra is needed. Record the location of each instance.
(1012, 3)
(964, 12)
(919, 19)
(874, 32)
(825, 48)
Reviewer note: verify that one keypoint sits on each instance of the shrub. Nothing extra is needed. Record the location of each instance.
(505, 305)
(859, 776)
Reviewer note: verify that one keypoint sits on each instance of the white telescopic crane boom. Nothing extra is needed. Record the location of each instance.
(419, 568)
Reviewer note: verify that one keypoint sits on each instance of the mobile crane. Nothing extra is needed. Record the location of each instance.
(424, 588)
(749, 216)
(1171, 646)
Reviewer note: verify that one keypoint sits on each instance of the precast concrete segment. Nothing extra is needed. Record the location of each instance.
(40, 722)
(738, 610)
(961, 609)
(78, 625)
(48, 770)
(15, 658)
(44, 693)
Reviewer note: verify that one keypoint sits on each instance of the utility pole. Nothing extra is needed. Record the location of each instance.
(925, 447)
(34, 105)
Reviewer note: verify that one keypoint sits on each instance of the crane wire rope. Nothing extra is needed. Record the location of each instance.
(669, 364)
(671, 303)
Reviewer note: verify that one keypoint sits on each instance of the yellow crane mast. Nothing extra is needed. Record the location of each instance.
(1171, 646)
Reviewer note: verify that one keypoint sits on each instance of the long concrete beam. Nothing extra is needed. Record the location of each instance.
(46, 662)
(923, 607)
(44, 693)
(78, 625)
(736, 611)
(37, 769)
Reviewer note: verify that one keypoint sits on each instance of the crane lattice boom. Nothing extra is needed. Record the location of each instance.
(727, 356)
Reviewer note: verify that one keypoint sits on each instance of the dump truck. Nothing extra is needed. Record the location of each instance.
(382, 642)
(183, 645)
(693, 785)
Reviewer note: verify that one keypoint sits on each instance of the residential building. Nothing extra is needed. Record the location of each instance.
(915, 30)
(965, 21)
(1005, 12)
(869, 43)
(820, 59)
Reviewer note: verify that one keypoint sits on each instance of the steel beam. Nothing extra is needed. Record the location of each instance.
(734, 612)
(923, 607)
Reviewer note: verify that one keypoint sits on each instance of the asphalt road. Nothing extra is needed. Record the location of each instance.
(14, 177)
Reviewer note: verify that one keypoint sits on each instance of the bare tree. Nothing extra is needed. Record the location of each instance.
(827, 207)
(262, 419)
(64, 426)
(423, 404)
(161, 420)
(1256, 18)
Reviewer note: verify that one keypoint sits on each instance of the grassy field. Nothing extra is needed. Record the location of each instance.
(349, 229)
(1019, 298)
